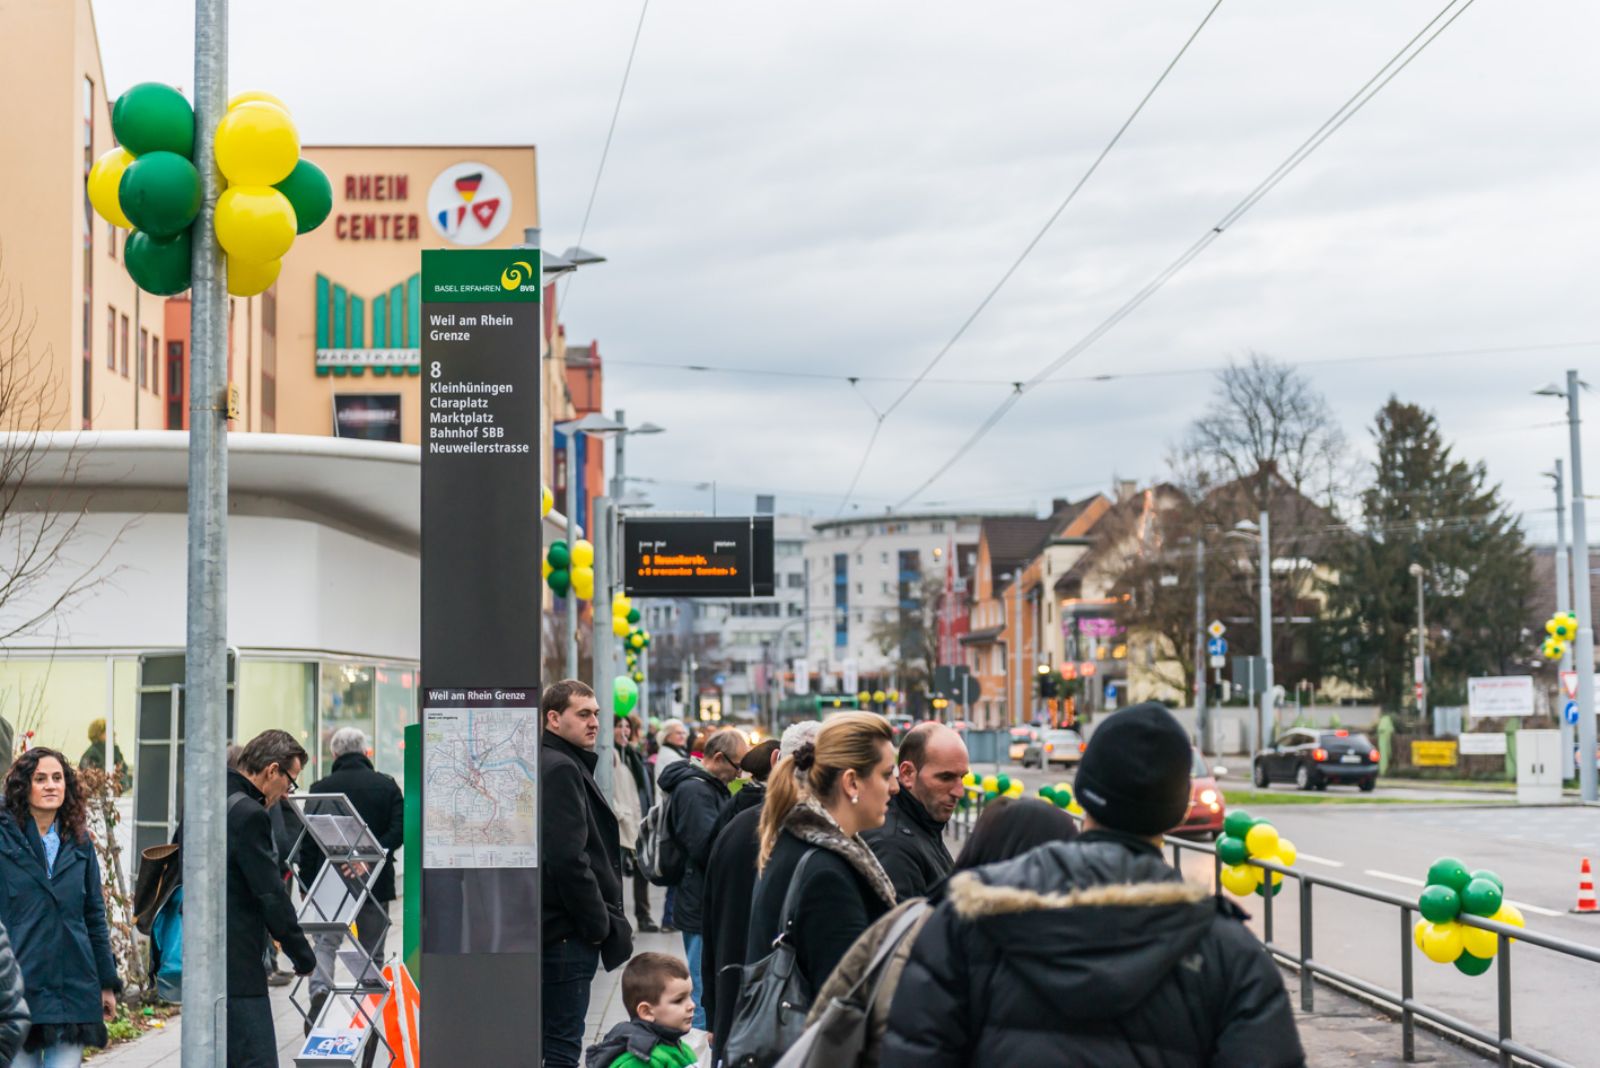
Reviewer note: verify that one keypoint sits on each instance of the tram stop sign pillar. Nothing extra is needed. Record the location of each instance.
(481, 588)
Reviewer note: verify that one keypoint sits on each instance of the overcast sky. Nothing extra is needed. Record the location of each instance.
(830, 187)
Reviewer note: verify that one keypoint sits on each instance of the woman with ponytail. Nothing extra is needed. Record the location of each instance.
(818, 802)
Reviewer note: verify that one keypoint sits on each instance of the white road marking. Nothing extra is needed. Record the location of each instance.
(1321, 860)
(1409, 881)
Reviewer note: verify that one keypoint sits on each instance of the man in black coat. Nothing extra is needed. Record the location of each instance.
(910, 844)
(581, 877)
(700, 800)
(259, 908)
(1095, 952)
(377, 799)
(730, 884)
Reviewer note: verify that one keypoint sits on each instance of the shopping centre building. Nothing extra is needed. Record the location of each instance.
(324, 453)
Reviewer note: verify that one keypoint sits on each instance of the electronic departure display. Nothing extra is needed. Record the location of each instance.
(697, 557)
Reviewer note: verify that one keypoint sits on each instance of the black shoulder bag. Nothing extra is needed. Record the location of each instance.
(773, 996)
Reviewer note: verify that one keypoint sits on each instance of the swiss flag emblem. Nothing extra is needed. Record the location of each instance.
(485, 211)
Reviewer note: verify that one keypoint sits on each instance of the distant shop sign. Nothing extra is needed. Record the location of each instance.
(377, 331)
(367, 416)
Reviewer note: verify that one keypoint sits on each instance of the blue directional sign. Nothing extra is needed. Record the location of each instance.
(1217, 647)
(1569, 712)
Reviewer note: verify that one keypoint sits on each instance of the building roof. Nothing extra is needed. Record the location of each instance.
(1013, 541)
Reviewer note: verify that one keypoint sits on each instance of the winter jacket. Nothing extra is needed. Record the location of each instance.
(57, 925)
(1088, 953)
(581, 870)
(377, 799)
(910, 845)
(637, 1044)
(259, 909)
(642, 779)
(699, 800)
(843, 892)
(730, 886)
(855, 965)
(13, 1006)
(667, 756)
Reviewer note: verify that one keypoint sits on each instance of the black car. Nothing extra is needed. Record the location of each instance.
(1311, 759)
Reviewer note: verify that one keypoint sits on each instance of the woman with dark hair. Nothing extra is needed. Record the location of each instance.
(51, 903)
(1008, 828)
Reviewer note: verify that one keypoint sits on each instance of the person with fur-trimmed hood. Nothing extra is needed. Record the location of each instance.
(1095, 952)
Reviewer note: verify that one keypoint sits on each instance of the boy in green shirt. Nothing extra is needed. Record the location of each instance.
(660, 999)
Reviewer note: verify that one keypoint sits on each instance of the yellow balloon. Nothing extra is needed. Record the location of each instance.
(105, 178)
(969, 780)
(991, 783)
(1509, 915)
(1239, 879)
(1287, 853)
(257, 144)
(1418, 930)
(255, 223)
(545, 568)
(247, 279)
(582, 553)
(1262, 841)
(1015, 790)
(1277, 876)
(582, 581)
(1441, 942)
(547, 501)
(256, 96)
(1076, 809)
(1480, 943)
(620, 626)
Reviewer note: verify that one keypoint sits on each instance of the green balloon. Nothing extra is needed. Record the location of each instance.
(1277, 888)
(560, 581)
(1439, 904)
(158, 267)
(1448, 871)
(1482, 897)
(1467, 964)
(1232, 850)
(1048, 793)
(160, 194)
(1484, 873)
(559, 555)
(152, 117)
(633, 616)
(1004, 783)
(624, 695)
(311, 194)
(1238, 823)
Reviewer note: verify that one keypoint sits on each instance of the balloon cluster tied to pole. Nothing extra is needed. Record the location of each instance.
(148, 184)
(1246, 838)
(1061, 796)
(1560, 629)
(1452, 892)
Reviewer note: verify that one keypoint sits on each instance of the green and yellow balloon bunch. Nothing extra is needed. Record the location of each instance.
(1245, 838)
(558, 567)
(1451, 891)
(149, 184)
(623, 615)
(1560, 629)
(1061, 796)
(582, 567)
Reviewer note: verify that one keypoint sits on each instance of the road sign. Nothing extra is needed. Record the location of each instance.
(1569, 683)
(1569, 711)
(696, 557)
(1219, 661)
(1216, 630)
(1217, 647)
(1419, 690)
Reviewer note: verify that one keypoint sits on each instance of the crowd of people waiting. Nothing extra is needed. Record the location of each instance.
(1041, 942)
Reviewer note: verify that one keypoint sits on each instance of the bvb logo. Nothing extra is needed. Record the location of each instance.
(512, 277)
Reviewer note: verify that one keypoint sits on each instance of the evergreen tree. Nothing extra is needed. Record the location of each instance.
(1426, 507)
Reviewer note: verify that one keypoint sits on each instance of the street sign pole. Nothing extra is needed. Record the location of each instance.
(1266, 627)
(1202, 714)
(481, 944)
(1583, 647)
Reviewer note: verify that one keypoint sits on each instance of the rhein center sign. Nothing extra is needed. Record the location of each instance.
(480, 656)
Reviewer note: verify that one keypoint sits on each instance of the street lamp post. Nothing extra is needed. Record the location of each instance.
(1421, 673)
(1266, 626)
(593, 423)
(1583, 645)
(1202, 714)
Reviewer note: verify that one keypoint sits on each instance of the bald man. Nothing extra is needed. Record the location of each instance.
(910, 844)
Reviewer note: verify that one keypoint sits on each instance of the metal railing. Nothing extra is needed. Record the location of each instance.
(1403, 1000)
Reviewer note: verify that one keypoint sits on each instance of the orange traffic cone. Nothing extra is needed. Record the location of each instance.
(1586, 901)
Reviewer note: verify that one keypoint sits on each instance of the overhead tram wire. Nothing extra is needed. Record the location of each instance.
(1346, 111)
(1023, 255)
(605, 152)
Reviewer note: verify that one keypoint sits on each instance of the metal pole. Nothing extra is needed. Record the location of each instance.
(1422, 655)
(619, 480)
(1035, 701)
(1201, 712)
(644, 687)
(205, 935)
(601, 646)
(1503, 995)
(571, 506)
(1408, 1049)
(1563, 579)
(1266, 629)
(1019, 678)
(1583, 648)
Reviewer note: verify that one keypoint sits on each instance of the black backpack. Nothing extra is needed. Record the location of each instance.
(660, 856)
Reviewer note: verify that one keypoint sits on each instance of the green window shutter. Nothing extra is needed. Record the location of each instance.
(397, 308)
(341, 328)
(380, 322)
(323, 336)
(358, 323)
(414, 311)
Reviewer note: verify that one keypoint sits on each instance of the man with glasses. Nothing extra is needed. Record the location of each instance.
(259, 908)
(700, 799)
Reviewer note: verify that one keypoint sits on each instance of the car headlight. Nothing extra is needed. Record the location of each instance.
(1208, 797)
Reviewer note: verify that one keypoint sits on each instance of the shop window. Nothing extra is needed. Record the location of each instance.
(280, 694)
(347, 701)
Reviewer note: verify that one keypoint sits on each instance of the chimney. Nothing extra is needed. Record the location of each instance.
(1127, 489)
